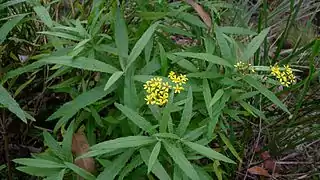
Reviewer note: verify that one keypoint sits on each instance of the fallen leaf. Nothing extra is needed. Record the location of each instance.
(268, 162)
(80, 146)
(257, 170)
(201, 12)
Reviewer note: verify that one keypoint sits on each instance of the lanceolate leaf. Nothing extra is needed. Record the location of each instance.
(36, 171)
(81, 172)
(254, 45)
(44, 15)
(10, 3)
(216, 97)
(263, 90)
(135, 118)
(205, 56)
(8, 26)
(115, 76)
(121, 34)
(40, 163)
(230, 146)
(157, 168)
(186, 114)
(124, 142)
(142, 42)
(7, 101)
(154, 156)
(117, 165)
(180, 159)
(53, 145)
(208, 152)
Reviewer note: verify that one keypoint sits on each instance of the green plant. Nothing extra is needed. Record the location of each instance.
(102, 63)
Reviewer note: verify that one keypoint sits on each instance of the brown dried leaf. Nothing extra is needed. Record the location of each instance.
(80, 146)
(258, 171)
(201, 12)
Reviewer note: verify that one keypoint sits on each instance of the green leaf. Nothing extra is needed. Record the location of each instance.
(254, 45)
(167, 135)
(230, 146)
(236, 30)
(136, 118)
(37, 171)
(186, 114)
(67, 143)
(10, 3)
(124, 142)
(39, 163)
(81, 172)
(56, 176)
(62, 35)
(253, 110)
(114, 77)
(263, 90)
(81, 63)
(205, 56)
(223, 44)
(71, 108)
(8, 26)
(154, 156)
(142, 42)
(216, 97)
(53, 145)
(121, 34)
(195, 134)
(112, 171)
(189, 18)
(157, 168)
(7, 101)
(67, 83)
(163, 60)
(44, 15)
(180, 159)
(208, 152)
(134, 163)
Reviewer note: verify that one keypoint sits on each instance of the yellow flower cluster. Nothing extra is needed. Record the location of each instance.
(285, 77)
(178, 80)
(158, 91)
(244, 68)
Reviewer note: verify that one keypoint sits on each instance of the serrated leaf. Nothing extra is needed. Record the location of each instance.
(114, 77)
(39, 163)
(206, 57)
(124, 142)
(254, 45)
(268, 94)
(186, 114)
(157, 168)
(81, 172)
(180, 159)
(230, 146)
(208, 152)
(117, 165)
(135, 118)
(154, 156)
(44, 15)
(9, 25)
(8, 102)
(216, 97)
(142, 42)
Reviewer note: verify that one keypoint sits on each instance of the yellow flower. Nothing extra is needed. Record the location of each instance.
(178, 89)
(150, 99)
(183, 79)
(285, 77)
(171, 74)
(166, 87)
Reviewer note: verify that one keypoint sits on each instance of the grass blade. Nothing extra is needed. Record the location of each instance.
(39, 163)
(230, 146)
(216, 97)
(8, 26)
(44, 15)
(114, 77)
